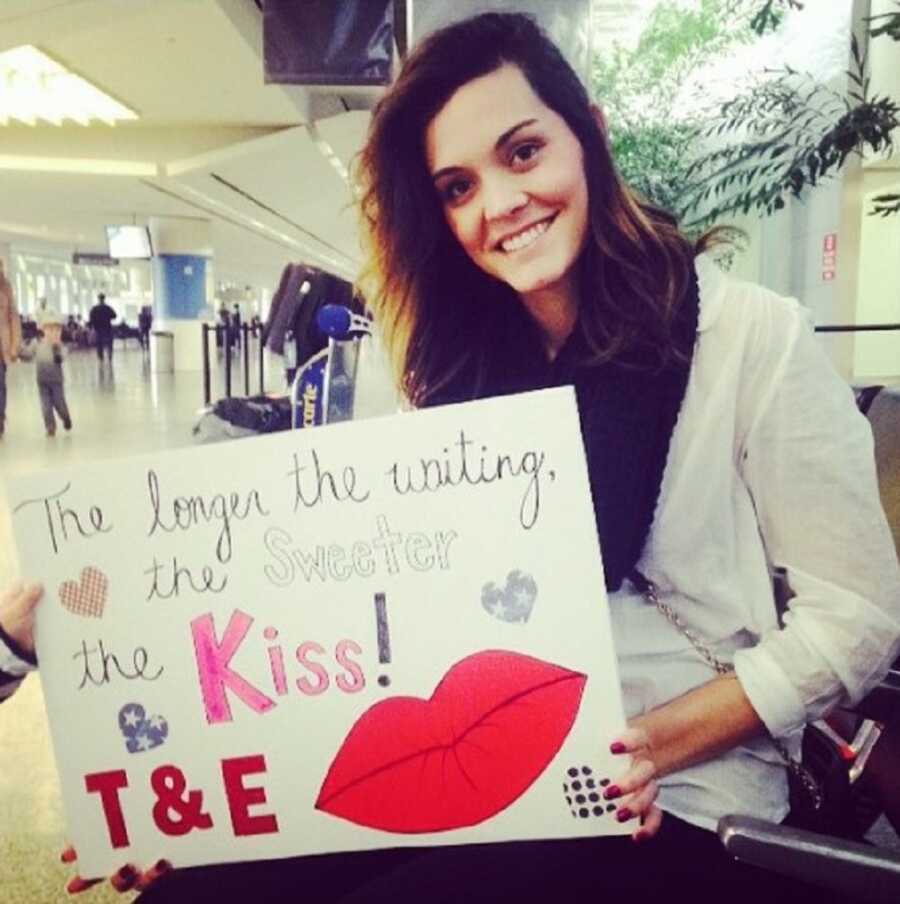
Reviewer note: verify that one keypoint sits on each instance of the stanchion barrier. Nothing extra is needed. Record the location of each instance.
(222, 341)
(207, 387)
(226, 345)
(245, 337)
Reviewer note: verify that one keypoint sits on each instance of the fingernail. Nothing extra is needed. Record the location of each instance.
(617, 747)
(612, 791)
(75, 885)
(68, 855)
(624, 814)
(127, 872)
(162, 865)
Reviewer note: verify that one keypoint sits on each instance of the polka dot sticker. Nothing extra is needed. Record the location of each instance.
(581, 793)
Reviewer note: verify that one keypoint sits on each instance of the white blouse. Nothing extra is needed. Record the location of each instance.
(770, 464)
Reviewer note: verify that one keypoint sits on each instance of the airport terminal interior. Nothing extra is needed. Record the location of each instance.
(221, 181)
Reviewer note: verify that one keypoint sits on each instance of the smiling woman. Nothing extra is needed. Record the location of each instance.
(488, 182)
(517, 203)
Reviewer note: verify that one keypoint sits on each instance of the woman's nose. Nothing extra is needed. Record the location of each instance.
(502, 198)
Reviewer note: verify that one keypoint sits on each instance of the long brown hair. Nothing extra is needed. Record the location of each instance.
(436, 309)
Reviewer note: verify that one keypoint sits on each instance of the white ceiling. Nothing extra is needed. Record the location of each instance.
(212, 140)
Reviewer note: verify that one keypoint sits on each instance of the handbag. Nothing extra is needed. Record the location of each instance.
(807, 790)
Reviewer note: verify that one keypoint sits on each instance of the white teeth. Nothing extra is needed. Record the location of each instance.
(524, 239)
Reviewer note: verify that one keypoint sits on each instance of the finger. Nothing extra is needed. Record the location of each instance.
(31, 594)
(636, 777)
(76, 885)
(652, 822)
(631, 740)
(68, 854)
(124, 879)
(160, 868)
(639, 803)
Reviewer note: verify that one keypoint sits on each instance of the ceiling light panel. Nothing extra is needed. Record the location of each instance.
(35, 88)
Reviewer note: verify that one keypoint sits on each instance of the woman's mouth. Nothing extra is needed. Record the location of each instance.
(526, 237)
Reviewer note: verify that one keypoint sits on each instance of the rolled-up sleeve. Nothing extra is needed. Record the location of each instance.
(15, 664)
(807, 460)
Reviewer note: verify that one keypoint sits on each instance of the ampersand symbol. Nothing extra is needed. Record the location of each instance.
(168, 783)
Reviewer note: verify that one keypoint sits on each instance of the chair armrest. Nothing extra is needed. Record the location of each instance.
(867, 873)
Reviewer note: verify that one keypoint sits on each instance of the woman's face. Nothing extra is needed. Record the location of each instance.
(510, 175)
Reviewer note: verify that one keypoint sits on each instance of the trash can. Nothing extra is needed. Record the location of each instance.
(162, 352)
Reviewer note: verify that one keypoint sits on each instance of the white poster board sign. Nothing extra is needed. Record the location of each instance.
(382, 633)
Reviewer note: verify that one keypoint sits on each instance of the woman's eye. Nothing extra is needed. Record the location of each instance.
(525, 152)
(455, 190)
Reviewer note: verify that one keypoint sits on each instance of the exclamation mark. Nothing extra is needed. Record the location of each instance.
(384, 636)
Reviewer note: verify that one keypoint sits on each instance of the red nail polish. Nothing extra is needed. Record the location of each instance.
(126, 873)
(624, 814)
(617, 747)
(162, 866)
(612, 791)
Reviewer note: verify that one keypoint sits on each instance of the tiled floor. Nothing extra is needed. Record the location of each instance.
(114, 413)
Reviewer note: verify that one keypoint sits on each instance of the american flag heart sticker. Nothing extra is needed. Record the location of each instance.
(86, 597)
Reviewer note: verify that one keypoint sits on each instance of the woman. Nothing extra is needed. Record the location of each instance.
(506, 255)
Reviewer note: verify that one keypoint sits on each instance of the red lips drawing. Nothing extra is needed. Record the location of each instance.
(491, 727)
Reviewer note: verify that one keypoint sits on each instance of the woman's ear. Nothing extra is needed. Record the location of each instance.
(599, 118)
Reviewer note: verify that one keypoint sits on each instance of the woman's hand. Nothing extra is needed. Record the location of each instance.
(635, 792)
(128, 878)
(17, 613)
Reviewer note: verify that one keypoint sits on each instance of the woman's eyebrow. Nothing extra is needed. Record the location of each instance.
(505, 137)
(498, 145)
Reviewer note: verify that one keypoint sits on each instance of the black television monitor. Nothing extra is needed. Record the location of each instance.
(129, 242)
(323, 42)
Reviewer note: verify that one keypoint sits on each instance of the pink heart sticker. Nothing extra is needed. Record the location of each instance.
(87, 597)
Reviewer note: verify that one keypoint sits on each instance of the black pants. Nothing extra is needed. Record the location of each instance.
(104, 342)
(682, 863)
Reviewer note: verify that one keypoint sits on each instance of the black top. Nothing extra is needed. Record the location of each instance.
(101, 317)
(628, 410)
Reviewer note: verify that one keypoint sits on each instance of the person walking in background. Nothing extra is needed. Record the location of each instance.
(101, 321)
(10, 337)
(48, 361)
(145, 322)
